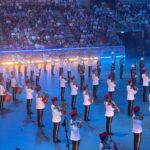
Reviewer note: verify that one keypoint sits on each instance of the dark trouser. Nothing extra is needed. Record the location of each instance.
(75, 145)
(69, 75)
(108, 124)
(111, 94)
(98, 72)
(52, 70)
(95, 87)
(7, 86)
(133, 79)
(37, 80)
(1, 101)
(29, 102)
(45, 63)
(130, 107)
(14, 93)
(31, 76)
(121, 72)
(62, 93)
(86, 112)
(89, 70)
(19, 68)
(141, 79)
(55, 131)
(25, 71)
(73, 102)
(137, 140)
(145, 93)
(81, 81)
(60, 71)
(40, 117)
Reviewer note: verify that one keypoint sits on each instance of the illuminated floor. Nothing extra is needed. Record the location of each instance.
(17, 130)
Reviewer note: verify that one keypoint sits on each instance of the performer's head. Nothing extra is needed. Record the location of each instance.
(85, 87)
(73, 114)
(136, 109)
(54, 100)
(108, 97)
(103, 136)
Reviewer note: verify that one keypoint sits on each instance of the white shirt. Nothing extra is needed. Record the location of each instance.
(86, 98)
(52, 62)
(62, 81)
(39, 103)
(111, 86)
(130, 93)
(31, 67)
(95, 79)
(146, 80)
(2, 90)
(13, 82)
(69, 66)
(137, 125)
(56, 114)
(45, 57)
(29, 93)
(61, 64)
(90, 62)
(74, 89)
(75, 132)
(109, 110)
(37, 71)
(79, 61)
(1, 69)
(7, 77)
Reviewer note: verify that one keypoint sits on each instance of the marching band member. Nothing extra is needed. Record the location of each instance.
(31, 71)
(40, 105)
(37, 74)
(90, 64)
(137, 127)
(2, 93)
(74, 92)
(7, 79)
(121, 63)
(110, 108)
(52, 66)
(82, 74)
(106, 142)
(29, 96)
(79, 60)
(98, 67)
(25, 68)
(95, 83)
(63, 82)
(133, 73)
(146, 81)
(45, 61)
(75, 126)
(88, 100)
(111, 85)
(69, 66)
(14, 85)
(141, 67)
(112, 70)
(131, 91)
(61, 66)
(56, 119)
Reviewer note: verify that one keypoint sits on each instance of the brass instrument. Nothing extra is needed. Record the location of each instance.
(62, 107)
(45, 98)
(139, 116)
(76, 122)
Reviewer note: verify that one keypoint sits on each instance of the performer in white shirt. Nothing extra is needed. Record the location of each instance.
(95, 82)
(61, 66)
(14, 85)
(110, 107)
(69, 66)
(40, 106)
(111, 85)
(29, 96)
(146, 81)
(37, 74)
(131, 91)
(79, 60)
(133, 73)
(31, 70)
(7, 79)
(52, 66)
(74, 92)
(90, 64)
(63, 82)
(87, 101)
(137, 127)
(2, 93)
(45, 61)
(75, 126)
(141, 67)
(56, 119)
